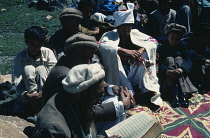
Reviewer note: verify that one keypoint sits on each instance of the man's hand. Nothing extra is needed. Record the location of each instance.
(133, 101)
(97, 30)
(127, 52)
(115, 136)
(140, 51)
(33, 97)
(125, 97)
(132, 53)
(207, 61)
(116, 91)
(179, 70)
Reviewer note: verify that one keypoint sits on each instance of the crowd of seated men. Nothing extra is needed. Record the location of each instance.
(107, 57)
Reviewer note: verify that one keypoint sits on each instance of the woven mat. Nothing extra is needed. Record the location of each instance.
(191, 122)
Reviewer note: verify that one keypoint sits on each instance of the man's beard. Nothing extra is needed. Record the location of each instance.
(85, 112)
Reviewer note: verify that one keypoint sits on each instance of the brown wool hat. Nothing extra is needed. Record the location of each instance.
(70, 13)
(80, 40)
(173, 27)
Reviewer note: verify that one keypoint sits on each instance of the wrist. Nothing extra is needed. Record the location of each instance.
(122, 51)
(24, 95)
(142, 49)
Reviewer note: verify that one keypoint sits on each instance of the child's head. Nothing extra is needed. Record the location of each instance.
(34, 38)
(164, 6)
(174, 33)
(35, 33)
(86, 7)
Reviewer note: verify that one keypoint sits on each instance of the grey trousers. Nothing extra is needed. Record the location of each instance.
(34, 78)
(184, 81)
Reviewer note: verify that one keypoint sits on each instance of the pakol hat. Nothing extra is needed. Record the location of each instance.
(173, 27)
(82, 76)
(80, 40)
(70, 13)
(124, 16)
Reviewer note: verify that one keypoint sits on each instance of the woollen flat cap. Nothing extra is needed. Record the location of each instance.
(173, 27)
(82, 76)
(70, 13)
(81, 40)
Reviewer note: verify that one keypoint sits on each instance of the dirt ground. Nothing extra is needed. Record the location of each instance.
(11, 127)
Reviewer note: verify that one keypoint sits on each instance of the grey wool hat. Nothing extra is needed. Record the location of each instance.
(173, 27)
(70, 13)
(80, 40)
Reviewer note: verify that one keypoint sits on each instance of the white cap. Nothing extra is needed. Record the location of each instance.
(82, 76)
(123, 17)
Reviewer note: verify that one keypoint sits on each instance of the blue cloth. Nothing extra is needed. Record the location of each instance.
(205, 3)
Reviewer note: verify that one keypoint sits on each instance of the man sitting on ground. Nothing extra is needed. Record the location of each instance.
(80, 49)
(70, 19)
(69, 112)
(129, 57)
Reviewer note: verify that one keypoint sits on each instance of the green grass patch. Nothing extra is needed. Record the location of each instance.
(6, 68)
(11, 44)
(7, 3)
(15, 17)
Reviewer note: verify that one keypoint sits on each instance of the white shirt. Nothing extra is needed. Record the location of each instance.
(46, 58)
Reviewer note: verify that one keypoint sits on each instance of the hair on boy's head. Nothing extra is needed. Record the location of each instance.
(165, 2)
(86, 3)
(35, 33)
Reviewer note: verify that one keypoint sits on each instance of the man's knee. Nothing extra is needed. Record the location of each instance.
(41, 70)
(185, 9)
(29, 70)
(178, 60)
(169, 61)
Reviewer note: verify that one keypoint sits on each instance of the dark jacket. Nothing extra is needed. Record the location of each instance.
(57, 41)
(58, 119)
(199, 53)
(155, 25)
(105, 112)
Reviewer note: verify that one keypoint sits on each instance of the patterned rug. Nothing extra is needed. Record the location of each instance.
(191, 122)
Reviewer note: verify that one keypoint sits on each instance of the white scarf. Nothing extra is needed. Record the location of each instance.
(108, 50)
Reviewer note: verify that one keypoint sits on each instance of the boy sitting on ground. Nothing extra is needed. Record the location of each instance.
(31, 68)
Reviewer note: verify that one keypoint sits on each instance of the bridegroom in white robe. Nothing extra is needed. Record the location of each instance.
(129, 58)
